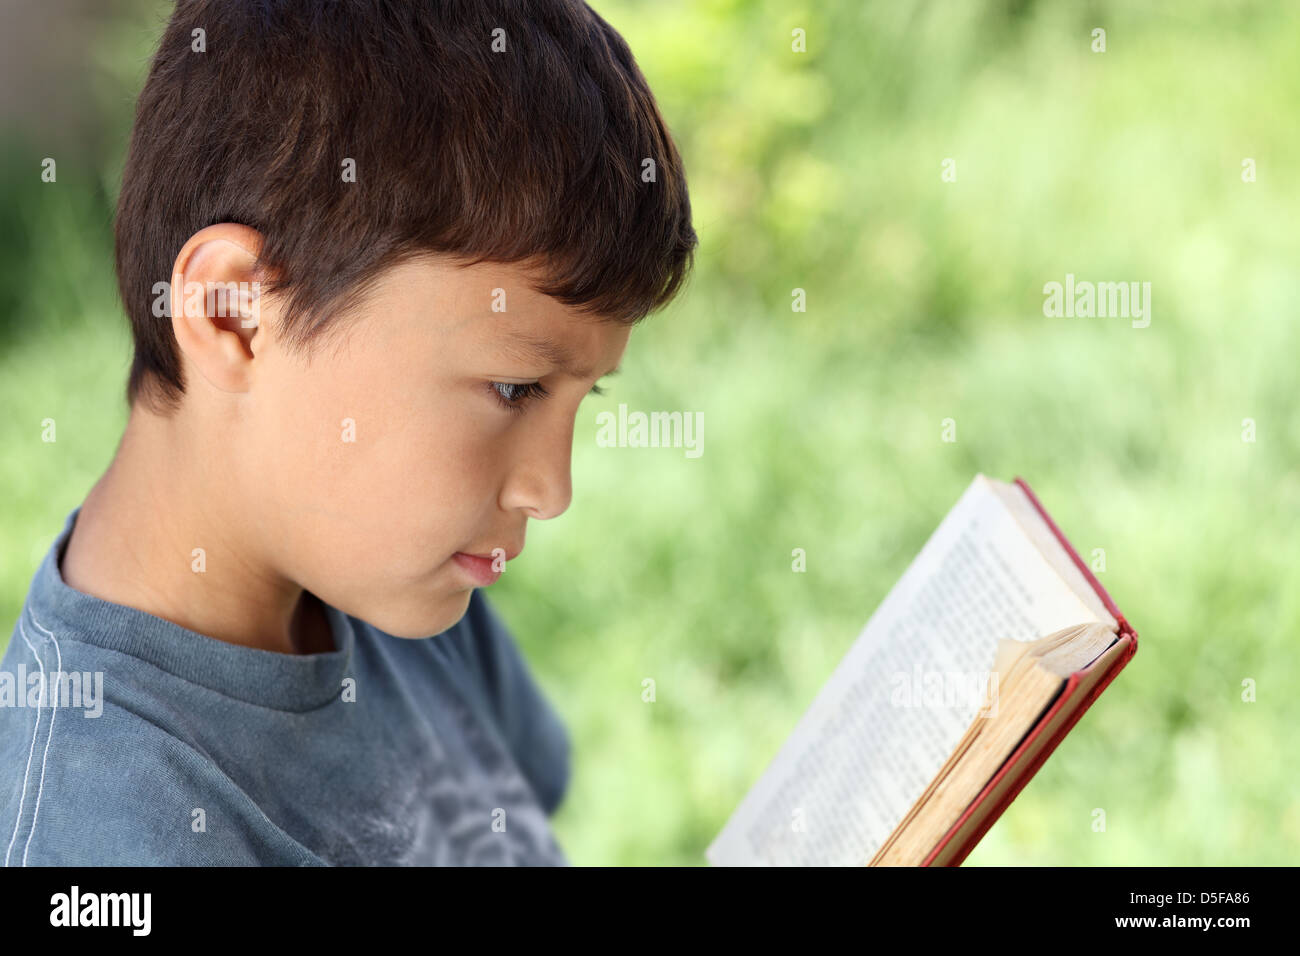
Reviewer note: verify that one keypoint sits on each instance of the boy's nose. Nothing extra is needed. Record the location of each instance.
(541, 481)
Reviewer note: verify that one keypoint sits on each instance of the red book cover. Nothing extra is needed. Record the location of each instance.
(1019, 768)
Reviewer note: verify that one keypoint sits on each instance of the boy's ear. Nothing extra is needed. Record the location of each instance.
(216, 303)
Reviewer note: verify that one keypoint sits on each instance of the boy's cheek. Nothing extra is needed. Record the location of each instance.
(396, 497)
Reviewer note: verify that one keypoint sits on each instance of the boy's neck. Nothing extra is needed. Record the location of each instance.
(135, 538)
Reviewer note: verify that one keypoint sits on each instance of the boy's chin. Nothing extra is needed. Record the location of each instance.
(421, 619)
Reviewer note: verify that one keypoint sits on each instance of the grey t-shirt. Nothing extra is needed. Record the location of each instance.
(159, 745)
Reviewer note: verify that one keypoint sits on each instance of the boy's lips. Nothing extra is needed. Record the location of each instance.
(481, 568)
(510, 553)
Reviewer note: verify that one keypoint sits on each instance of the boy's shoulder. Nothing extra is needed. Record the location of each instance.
(101, 786)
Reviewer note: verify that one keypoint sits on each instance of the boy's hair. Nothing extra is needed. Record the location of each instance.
(533, 155)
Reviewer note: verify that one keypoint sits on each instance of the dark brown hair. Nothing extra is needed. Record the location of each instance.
(532, 155)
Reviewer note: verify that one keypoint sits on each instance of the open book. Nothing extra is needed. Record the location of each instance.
(978, 662)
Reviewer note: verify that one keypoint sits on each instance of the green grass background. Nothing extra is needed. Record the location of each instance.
(821, 171)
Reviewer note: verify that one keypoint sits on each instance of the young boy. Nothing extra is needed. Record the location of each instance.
(429, 227)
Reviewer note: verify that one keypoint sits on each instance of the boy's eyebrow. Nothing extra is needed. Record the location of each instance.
(530, 348)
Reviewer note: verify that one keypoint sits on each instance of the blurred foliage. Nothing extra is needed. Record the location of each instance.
(821, 171)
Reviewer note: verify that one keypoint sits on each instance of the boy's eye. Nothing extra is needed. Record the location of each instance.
(515, 397)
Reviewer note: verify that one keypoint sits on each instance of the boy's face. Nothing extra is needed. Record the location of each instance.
(366, 466)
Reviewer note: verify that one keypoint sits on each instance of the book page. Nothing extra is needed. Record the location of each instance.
(1018, 504)
(874, 736)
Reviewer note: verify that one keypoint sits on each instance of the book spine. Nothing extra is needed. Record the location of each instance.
(1026, 773)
